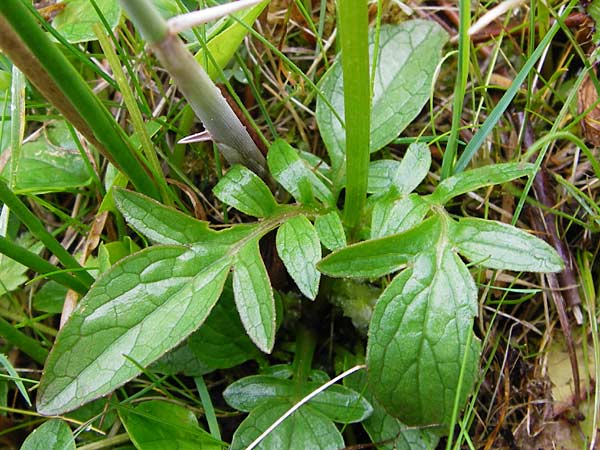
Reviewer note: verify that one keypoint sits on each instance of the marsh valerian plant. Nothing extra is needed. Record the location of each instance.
(422, 356)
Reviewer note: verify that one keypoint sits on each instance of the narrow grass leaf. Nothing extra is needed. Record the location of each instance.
(54, 434)
(157, 425)
(474, 179)
(4, 362)
(500, 246)
(382, 256)
(306, 428)
(254, 296)
(299, 248)
(417, 339)
(246, 192)
(123, 318)
(339, 403)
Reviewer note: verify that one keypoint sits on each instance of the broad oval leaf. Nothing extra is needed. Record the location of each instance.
(254, 296)
(379, 257)
(76, 21)
(50, 163)
(408, 56)
(500, 246)
(339, 403)
(474, 179)
(418, 337)
(144, 306)
(299, 248)
(331, 231)
(405, 175)
(246, 192)
(392, 216)
(158, 425)
(295, 174)
(54, 434)
(305, 429)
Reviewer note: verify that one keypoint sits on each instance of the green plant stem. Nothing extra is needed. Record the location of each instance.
(508, 96)
(40, 265)
(23, 342)
(39, 231)
(30, 49)
(205, 98)
(353, 18)
(305, 348)
(464, 46)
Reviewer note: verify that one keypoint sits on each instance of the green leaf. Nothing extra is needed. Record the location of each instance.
(123, 319)
(292, 172)
(379, 257)
(396, 215)
(418, 337)
(339, 403)
(12, 273)
(246, 192)
(51, 163)
(157, 425)
(474, 179)
(54, 434)
(387, 431)
(159, 223)
(331, 231)
(50, 297)
(76, 21)
(254, 296)
(183, 360)
(223, 45)
(165, 225)
(299, 248)
(221, 342)
(500, 246)
(408, 57)
(306, 428)
(405, 176)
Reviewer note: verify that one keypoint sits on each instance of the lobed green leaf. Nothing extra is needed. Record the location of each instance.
(418, 337)
(474, 179)
(331, 231)
(405, 175)
(294, 172)
(299, 248)
(382, 256)
(120, 324)
(254, 296)
(500, 246)
(396, 215)
(246, 192)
